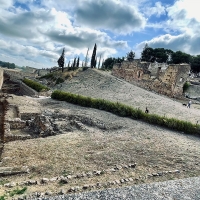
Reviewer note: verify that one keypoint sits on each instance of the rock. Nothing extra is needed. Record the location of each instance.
(31, 182)
(97, 173)
(155, 174)
(117, 181)
(130, 179)
(118, 167)
(112, 170)
(48, 193)
(62, 191)
(160, 173)
(44, 180)
(64, 180)
(78, 176)
(122, 181)
(89, 174)
(77, 188)
(54, 179)
(132, 165)
(72, 189)
(9, 185)
(37, 194)
(69, 177)
(98, 185)
(83, 175)
(85, 187)
(177, 171)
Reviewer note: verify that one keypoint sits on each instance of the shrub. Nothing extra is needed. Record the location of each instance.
(59, 80)
(186, 86)
(18, 191)
(47, 76)
(127, 111)
(85, 68)
(34, 85)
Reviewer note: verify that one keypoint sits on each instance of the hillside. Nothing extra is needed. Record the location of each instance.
(100, 84)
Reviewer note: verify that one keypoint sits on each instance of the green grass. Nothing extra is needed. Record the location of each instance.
(127, 111)
(34, 85)
(17, 191)
(2, 197)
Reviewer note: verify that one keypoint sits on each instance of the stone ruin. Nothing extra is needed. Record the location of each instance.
(159, 77)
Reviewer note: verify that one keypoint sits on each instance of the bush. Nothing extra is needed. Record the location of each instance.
(85, 68)
(127, 111)
(34, 85)
(186, 86)
(47, 76)
(59, 80)
(18, 191)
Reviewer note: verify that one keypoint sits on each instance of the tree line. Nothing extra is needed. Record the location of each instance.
(7, 65)
(149, 54)
(159, 55)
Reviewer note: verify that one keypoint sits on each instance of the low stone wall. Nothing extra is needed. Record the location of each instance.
(28, 116)
(17, 123)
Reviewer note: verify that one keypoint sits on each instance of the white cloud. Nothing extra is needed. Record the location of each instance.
(183, 42)
(112, 15)
(184, 16)
(6, 3)
(157, 10)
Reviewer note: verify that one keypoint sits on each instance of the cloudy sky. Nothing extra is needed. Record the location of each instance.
(34, 32)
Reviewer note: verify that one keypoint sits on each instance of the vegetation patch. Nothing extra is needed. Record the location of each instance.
(17, 191)
(186, 86)
(34, 85)
(127, 111)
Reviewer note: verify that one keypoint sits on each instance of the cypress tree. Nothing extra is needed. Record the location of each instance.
(93, 59)
(61, 60)
(77, 63)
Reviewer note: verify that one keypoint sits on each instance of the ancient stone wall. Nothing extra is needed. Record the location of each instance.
(161, 78)
(1, 78)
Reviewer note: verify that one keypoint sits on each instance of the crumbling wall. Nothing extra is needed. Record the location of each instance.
(1, 78)
(161, 78)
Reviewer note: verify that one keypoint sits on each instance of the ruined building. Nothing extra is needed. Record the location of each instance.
(159, 77)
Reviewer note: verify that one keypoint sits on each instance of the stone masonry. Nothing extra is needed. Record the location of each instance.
(159, 77)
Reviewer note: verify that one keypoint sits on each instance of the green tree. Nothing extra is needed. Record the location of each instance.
(77, 63)
(180, 57)
(61, 60)
(195, 64)
(109, 62)
(147, 54)
(74, 64)
(93, 59)
(160, 55)
(130, 56)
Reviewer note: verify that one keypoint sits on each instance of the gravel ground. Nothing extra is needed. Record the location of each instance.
(184, 189)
